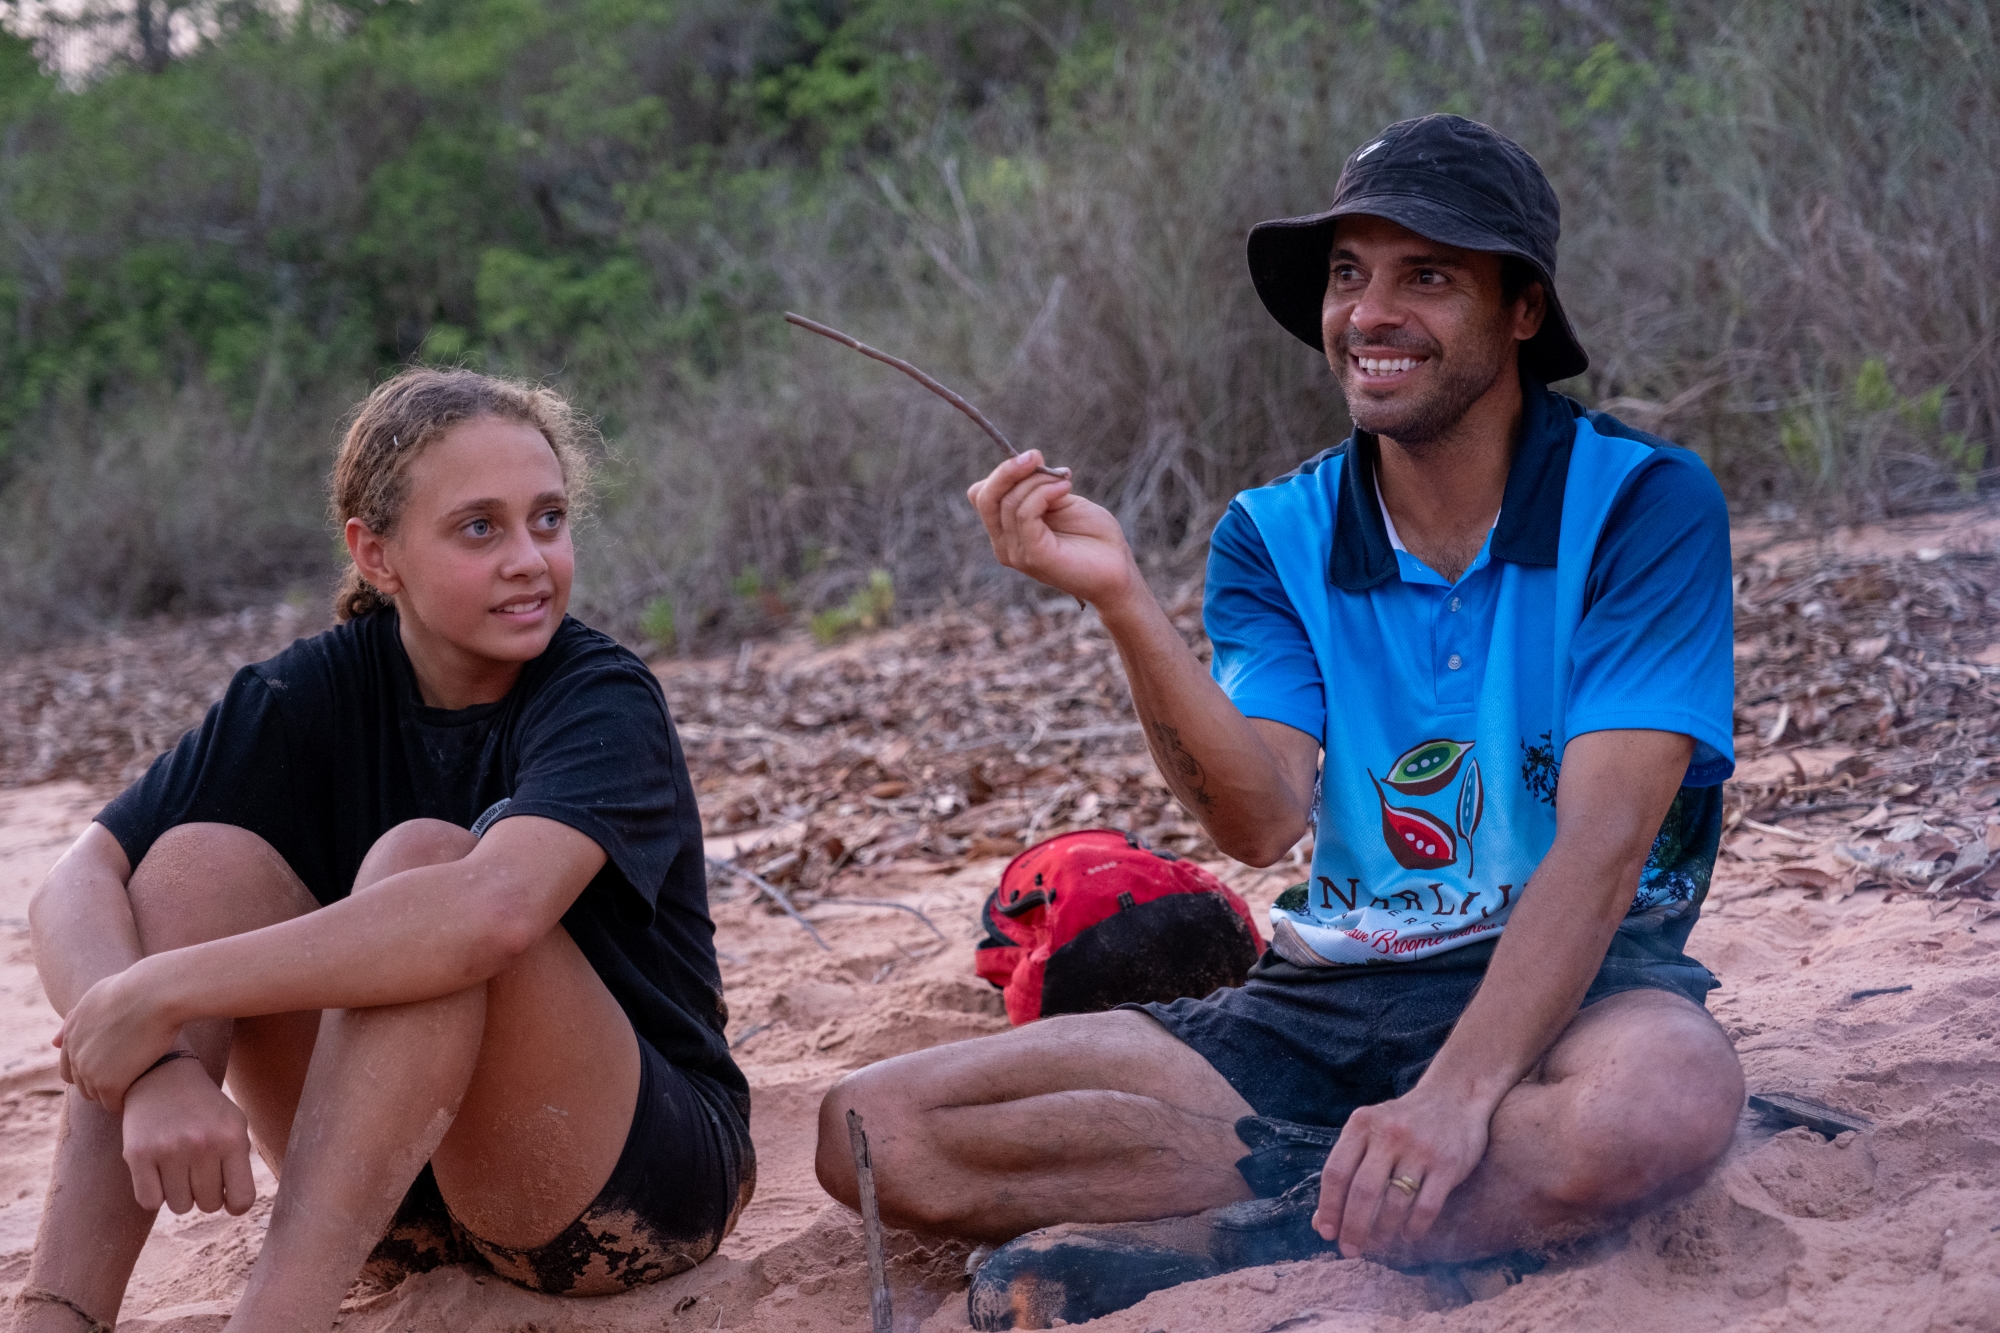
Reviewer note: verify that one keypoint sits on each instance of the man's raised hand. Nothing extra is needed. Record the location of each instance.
(1041, 527)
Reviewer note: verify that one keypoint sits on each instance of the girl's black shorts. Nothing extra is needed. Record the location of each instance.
(685, 1174)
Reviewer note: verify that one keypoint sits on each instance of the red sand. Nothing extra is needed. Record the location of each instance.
(1896, 1229)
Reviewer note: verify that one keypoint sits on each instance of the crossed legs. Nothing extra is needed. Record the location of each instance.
(519, 1091)
(1106, 1117)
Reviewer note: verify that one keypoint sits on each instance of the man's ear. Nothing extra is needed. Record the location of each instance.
(371, 557)
(1531, 307)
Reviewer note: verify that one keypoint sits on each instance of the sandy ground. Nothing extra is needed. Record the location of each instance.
(1897, 1228)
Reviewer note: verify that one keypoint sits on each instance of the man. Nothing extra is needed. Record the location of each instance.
(1505, 623)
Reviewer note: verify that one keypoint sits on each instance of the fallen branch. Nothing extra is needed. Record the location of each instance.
(814, 326)
(871, 1227)
(879, 902)
(775, 894)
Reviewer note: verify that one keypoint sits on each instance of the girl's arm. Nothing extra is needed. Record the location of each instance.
(80, 921)
(414, 936)
(182, 1129)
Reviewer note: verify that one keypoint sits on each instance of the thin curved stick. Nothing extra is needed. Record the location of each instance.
(978, 417)
(824, 901)
(774, 893)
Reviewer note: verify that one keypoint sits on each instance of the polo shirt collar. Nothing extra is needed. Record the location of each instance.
(1530, 526)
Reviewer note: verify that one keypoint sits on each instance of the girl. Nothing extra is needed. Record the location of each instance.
(428, 889)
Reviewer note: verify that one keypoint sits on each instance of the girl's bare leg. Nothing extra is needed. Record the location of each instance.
(519, 1091)
(200, 882)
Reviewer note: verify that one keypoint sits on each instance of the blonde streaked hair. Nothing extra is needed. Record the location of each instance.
(408, 413)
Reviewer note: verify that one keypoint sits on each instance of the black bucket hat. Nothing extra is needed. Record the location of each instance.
(1446, 178)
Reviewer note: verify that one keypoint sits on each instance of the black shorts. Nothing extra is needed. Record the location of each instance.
(1312, 1045)
(686, 1171)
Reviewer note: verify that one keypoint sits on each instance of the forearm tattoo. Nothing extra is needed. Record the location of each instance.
(1182, 770)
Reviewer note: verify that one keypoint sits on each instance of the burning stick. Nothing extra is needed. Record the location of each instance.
(871, 1226)
(977, 416)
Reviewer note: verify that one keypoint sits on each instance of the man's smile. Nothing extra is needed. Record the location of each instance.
(1380, 370)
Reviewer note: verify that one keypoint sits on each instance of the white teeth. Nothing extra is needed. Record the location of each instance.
(1384, 366)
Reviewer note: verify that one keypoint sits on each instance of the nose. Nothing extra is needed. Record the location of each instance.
(1378, 308)
(522, 557)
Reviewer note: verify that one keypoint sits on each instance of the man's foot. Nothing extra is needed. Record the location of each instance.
(1079, 1271)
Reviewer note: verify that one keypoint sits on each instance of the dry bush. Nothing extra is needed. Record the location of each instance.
(164, 503)
(1777, 247)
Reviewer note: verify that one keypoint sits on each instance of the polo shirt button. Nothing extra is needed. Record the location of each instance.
(1454, 603)
(1454, 661)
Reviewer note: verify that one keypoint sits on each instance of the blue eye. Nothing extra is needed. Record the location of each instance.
(478, 527)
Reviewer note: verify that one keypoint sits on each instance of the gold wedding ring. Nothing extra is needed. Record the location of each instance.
(1409, 1185)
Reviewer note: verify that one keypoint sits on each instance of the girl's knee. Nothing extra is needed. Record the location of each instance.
(211, 847)
(197, 871)
(411, 844)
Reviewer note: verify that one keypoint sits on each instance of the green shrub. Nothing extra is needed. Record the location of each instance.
(868, 608)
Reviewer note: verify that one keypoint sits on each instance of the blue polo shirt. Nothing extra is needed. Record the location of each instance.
(1601, 600)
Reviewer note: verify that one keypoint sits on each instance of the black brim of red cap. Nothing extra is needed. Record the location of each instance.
(1288, 264)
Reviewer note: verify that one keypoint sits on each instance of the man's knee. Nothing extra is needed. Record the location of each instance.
(899, 1143)
(834, 1158)
(1658, 1127)
(412, 844)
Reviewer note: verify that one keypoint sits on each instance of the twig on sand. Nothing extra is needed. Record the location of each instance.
(814, 326)
(871, 1226)
(880, 902)
(775, 894)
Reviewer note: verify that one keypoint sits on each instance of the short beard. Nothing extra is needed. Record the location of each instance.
(1423, 425)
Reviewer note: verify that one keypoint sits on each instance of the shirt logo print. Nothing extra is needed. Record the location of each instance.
(1418, 838)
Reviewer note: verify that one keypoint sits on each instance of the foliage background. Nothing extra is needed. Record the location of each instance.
(220, 222)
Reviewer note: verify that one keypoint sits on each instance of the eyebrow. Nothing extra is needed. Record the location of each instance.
(1407, 261)
(494, 502)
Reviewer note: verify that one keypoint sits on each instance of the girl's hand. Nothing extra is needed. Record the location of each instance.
(186, 1144)
(111, 1035)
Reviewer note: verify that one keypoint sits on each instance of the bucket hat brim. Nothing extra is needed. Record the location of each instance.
(1288, 264)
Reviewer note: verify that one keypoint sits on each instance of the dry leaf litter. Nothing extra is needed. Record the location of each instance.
(1866, 708)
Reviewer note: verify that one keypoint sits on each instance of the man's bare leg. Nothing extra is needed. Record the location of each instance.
(519, 1090)
(1108, 1118)
(200, 882)
(1081, 1118)
(1634, 1105)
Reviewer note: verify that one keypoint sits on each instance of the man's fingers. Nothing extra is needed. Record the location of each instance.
(1364, 1200)
(1424, 1209)
(1027, 499)
(989, 489)
(239, 1186)
(1027, 507)
(1392, 1218)
(1335, 1179)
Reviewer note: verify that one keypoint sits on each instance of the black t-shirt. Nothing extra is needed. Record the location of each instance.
(327, 746)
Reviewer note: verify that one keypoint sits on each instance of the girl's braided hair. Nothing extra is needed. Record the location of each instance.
(406, 414)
